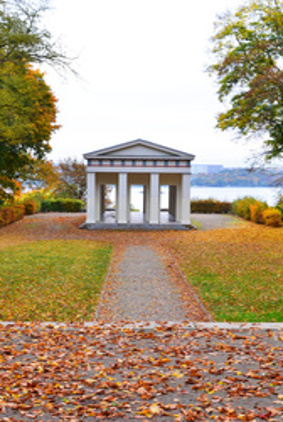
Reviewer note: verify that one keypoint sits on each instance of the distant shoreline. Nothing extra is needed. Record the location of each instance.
(237, 178)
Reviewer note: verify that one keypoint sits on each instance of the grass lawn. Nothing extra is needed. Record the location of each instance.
(238, 273)
(53, 280)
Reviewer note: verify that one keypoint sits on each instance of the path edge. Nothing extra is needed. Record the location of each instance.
(189, 286)
(104, 287)
(149, 325)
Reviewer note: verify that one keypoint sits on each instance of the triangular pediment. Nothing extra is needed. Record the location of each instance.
(138, 149)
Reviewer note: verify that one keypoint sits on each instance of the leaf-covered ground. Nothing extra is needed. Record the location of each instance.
(238, 273)
(54, 280)
(78, 373)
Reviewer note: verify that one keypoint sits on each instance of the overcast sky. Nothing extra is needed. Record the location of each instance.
(142, 75)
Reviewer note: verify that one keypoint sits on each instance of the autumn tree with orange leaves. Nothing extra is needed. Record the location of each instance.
(27, 104)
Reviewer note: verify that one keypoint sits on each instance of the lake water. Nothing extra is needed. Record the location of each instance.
(270, 195)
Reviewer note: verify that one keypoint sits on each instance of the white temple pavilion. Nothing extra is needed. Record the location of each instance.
(148, 165)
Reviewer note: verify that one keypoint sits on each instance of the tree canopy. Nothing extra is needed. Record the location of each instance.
(27, 121)
(23, 39)
(27, 104)
(247, 51)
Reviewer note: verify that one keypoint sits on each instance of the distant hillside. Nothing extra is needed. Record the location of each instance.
(235, 177)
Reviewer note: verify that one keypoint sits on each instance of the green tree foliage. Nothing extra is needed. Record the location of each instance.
(247, 48)
(27, 105)
(27, 121)
(22, 38)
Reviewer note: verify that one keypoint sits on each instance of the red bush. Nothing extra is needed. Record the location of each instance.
(10, 214)
(30, 206)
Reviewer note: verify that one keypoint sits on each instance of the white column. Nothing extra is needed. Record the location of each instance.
(91, 198)
(185, 199)
(154, 199)
(123, 201)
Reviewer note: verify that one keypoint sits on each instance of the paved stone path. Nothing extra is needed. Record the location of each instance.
(216, 221)
(92, 372)
(141, 289)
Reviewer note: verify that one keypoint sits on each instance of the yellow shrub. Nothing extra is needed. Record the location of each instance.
(272, 217)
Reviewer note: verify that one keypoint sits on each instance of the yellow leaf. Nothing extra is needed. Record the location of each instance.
(154, 409)
(178, 375)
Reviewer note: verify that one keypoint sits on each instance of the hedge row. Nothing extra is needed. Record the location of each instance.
(34, 205)
(62, 205)
(210, 206)
(248, 208)
(10, 214)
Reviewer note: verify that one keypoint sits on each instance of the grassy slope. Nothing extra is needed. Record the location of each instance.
(53, 280)
(237, 272)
